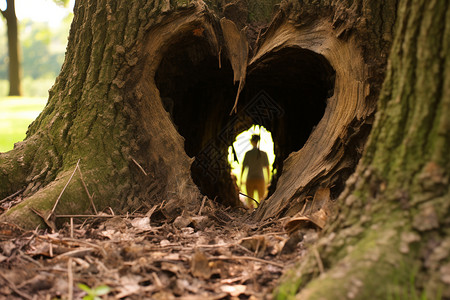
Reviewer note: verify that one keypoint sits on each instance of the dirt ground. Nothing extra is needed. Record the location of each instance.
(214, 253)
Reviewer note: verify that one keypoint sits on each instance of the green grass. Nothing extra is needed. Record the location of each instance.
(16, 113)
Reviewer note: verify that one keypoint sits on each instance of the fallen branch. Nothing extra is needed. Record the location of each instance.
(99, 216)
(62, 192)
(87, 191)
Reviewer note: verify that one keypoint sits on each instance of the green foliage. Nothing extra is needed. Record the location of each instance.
(94, 293)
(42, 50)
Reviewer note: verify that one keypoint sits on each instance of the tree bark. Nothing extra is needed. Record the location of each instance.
(13, 49)
(143, 102)
(97, 114)
(390, 238)
(122, 60)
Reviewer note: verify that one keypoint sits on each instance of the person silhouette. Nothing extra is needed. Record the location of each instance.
(256, 162)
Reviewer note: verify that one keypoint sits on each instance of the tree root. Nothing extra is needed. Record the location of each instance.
(373, 268)
(73, 200)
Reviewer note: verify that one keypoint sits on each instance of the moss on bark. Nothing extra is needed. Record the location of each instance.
(90, 116)
(390, 237)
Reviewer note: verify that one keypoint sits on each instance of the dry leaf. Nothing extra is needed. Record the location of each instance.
(200, 266)
(129, 286)
(142, 224)
(233, 290)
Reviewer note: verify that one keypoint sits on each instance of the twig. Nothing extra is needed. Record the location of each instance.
(77, 242)
(211, 203)
(304, 207)
(76, 253)
(151, 211)
(87, 191)
(319, 260)
(162, 203)
(112, 212)
(99, 216)
(139, 166)
(201, 206)
(70, 279)
(247, 258)
(29, 259)
(249, 197)
(59, 197)
(157, 280)
(14, 288)
(233, 280)
(71, 227)
(12, 196)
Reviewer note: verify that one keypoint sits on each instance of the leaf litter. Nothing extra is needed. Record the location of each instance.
(218, 254)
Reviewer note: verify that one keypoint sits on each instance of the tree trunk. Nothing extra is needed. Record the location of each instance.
(390, 238)
(101, 114)
(13, 49)
(144, 100)
(146, 86)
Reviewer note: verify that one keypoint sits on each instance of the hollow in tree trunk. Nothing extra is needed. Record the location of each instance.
(142, 107)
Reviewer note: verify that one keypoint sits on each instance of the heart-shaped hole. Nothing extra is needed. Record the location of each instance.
(286, 91)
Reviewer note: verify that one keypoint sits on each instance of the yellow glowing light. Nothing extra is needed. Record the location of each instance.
(242, 145)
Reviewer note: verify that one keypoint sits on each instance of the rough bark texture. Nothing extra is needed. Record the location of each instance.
(92, 115)
(390, 237)
(13, 49)
(127, 64)
(355, 41)
(144, 96)
(106, 111)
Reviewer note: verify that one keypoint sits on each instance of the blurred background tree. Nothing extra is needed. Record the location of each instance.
(35, 51)
(9, 14)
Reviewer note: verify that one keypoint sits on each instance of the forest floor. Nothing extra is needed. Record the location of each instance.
(215, 253)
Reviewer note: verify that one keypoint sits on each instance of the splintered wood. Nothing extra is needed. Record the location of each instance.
(217, 255)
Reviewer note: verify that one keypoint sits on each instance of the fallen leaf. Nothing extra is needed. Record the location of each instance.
(142, 224)
(233, 290)
(129, 286)
(200, 265)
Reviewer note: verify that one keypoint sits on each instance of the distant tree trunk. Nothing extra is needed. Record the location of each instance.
(13, 49)
(390, 236)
